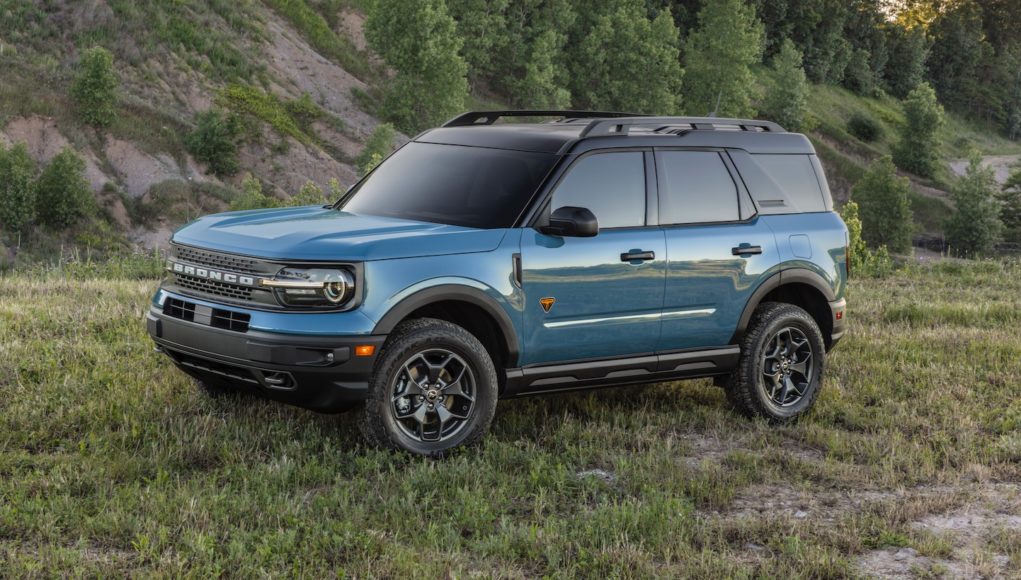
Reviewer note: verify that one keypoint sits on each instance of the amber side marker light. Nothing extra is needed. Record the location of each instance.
(365, 350)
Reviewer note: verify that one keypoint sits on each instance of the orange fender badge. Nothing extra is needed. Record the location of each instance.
(547, 303)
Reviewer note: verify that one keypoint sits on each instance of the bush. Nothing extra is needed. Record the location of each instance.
(975, 227)
(863, 261)
(63, 194)
(918, 149)
(95, 87)
(864, 127)
(251, 196)
(1010, 213)
(215, 141)
(310, 194)
(377, 147)
(885, 203)
(17, 188)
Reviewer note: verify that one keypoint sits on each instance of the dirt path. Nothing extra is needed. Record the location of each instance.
(1003, 166)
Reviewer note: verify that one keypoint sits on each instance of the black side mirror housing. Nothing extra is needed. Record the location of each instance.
(571, 222)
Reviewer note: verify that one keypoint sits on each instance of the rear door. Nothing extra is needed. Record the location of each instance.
(718, 251)
(598, 297)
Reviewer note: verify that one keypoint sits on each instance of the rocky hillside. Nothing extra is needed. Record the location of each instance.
(175, 60)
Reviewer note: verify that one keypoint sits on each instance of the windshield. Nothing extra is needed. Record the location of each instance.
(451, 184)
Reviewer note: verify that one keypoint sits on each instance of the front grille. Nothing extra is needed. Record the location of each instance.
(217, 260)
(215, 317)
(215, 288)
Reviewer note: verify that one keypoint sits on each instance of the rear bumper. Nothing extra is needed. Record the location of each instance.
(320, 373)
(838, 313)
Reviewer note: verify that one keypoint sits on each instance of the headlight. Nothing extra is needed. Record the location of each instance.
(312, 287)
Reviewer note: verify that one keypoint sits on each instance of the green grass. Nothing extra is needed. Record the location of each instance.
(111, 462)
(317, 31)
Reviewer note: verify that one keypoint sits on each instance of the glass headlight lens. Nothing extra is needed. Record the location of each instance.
(312, 287)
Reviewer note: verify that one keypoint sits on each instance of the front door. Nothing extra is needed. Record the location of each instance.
(598, 297)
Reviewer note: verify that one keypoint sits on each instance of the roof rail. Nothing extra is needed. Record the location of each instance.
(490, 117)
(621, 126)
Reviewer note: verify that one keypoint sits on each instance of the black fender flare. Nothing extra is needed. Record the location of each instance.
(784, 277)
(456, 292)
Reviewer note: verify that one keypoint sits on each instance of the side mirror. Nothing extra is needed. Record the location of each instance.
(571, 222)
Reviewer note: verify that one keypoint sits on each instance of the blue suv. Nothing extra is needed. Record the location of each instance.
(489, 259)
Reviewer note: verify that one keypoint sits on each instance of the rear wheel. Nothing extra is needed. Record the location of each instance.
(780, 371)
(434, 389)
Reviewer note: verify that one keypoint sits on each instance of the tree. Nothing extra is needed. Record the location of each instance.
(63, 194)
(975, 227)
(626, 62)
(885, 206)
(379, 144)
(958, 51)
(419, 41)
(540, 88)
(95, 87)
(482, 25)
(310, 194)
(787, 92)
(918, 149)
(1010, 214)
(859, 76)
(861, 260)
(17, 187)
(251, 196)
(215, 141)
(909, 50)
(718, 57)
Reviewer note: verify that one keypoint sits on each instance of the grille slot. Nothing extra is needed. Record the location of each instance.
(218, 318)
(218, 260)
(215, 288)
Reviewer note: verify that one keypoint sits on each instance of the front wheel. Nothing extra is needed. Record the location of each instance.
(780, 371)
(434, 388)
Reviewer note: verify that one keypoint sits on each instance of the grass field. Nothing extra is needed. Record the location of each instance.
(112, 463)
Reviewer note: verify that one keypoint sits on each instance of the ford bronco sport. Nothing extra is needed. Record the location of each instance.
(487, 259)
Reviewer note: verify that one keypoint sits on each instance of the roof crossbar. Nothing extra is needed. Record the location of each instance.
(490, 117)
(621, 126)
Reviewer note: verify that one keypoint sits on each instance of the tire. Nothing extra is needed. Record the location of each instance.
(783, 356)
(433, 389)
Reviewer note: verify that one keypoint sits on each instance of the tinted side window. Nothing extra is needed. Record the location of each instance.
(796, 178)
(611, 185)
(695, 187)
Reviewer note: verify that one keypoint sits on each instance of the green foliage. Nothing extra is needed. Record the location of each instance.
(319, 34)
(540, 87)
(303, 111)
(482, 25)
(909, 50)
(885, 205)
(787, 89)
(251, 196)
(310, 194)
(215, 141)
(627, 62)
(864, 262)
(865, 127)
(379, 144)
(63, 194)
(975, 227)
(419, 41)
(95, 87)
(859, 76)
(918, 150)
(17, 187)
(285, 117)
(1010, 214)
(718, 59)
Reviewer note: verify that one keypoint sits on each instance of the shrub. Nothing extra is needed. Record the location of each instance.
(215, 141)
(1010, 213)
(95, 87)
(885, 204)
(864, 127)
(863, 261)
(975, 227)
(918, 149)
(63, 194)
(377, 147)
(310, 194)
(251, 196)
(17, 187)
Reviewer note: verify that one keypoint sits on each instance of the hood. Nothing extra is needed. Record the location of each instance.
(314, 233)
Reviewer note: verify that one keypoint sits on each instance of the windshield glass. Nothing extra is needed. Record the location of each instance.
(451, 184)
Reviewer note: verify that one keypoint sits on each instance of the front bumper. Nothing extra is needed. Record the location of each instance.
(315, 372)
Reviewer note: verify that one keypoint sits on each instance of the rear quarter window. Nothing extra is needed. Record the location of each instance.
(782, 184)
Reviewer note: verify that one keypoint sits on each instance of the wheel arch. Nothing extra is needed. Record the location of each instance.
(800, 287)
(466, 306)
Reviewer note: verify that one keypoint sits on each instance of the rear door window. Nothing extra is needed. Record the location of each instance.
(695, 187)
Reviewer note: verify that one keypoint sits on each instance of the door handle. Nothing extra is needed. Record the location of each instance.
(637, 256)
(746, 250)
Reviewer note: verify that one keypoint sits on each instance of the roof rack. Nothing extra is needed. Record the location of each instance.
(621, 126)
(490, 117)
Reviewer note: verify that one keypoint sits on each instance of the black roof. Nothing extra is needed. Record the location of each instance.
(578, 131)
